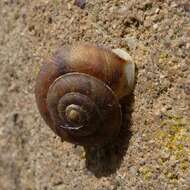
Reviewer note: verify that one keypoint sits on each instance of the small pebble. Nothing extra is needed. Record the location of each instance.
(80, 3)
(133, 170)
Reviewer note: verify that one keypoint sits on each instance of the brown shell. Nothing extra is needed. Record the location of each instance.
(95, 61)
(103, 109)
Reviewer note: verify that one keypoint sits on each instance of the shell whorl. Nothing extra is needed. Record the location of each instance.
(114, 67)
(96, 112)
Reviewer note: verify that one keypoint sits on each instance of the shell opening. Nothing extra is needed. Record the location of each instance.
(130, 75)
(129, 70)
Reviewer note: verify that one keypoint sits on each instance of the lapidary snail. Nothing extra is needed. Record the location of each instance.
(78, 92)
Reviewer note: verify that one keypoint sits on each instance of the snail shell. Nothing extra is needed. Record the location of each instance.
(78, 91)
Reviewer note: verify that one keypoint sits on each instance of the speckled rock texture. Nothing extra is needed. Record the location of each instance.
(153, 149)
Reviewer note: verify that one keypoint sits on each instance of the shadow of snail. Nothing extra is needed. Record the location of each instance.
(79, 92)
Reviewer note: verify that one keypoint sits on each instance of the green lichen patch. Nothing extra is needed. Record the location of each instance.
(146, 172)
(173, 139)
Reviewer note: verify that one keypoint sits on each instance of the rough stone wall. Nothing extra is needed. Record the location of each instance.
(153, 150)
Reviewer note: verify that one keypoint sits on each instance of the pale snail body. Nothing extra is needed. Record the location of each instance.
(78, 92)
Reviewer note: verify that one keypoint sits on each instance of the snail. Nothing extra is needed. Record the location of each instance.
(78, 91)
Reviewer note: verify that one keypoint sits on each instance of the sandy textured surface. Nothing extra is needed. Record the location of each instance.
(155, 154)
